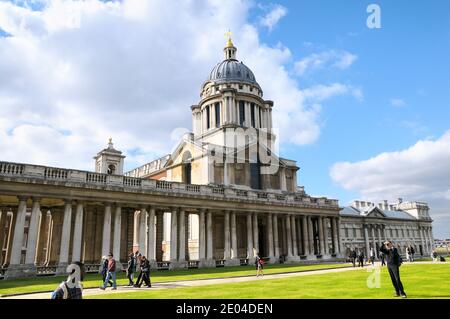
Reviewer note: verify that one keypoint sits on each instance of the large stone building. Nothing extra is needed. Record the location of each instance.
(365, 225)
(220, 198)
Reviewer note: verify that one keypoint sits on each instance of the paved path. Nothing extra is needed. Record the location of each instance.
(189, 283)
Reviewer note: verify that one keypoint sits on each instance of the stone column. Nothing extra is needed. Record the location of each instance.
(374, 240)
(136, 230)
(17, 243)
(234, 251)
(289, 236)
(321, 236)
(202, 235)
(283, 186)
(366, 239)
(270, 237)
(325, 235)
(143, 221)
(173, 235)
(305, 238)
(227, 252)
(33, 232)
(117, 233)
(276, 238)
(65, 238)
(255, 235)
(151, 246)
(249, 237)
(77, 233)
(335, 236)
(294, 236)
(182, 236)
(311, 235)
(210, 243)
(106, 241)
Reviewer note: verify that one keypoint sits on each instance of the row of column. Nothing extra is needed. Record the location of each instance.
(67, 236)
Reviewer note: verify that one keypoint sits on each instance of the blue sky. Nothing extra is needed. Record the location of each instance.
(375, 125)
(406, 59)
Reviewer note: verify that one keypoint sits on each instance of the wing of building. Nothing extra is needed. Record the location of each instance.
(365, 226)
(220, 198)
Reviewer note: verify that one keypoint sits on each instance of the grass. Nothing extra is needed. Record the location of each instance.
(419, 280)
(44, 284)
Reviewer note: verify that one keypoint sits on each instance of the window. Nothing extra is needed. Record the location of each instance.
(207, 118)
(111, 169)
(217, 110)
(252, 113)
(241, 86)
(241, 113)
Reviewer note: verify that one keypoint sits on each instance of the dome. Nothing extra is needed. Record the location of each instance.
(232, 70)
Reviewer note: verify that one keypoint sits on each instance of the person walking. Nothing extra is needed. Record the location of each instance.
(372, 256)
(104, 269)
(394, 261)
(145, 273)
(259, 262)
(412, 251)
(407, 254)
(72, 287)
(382, 257)
(353, 257)
(111, 273)
(138, 269)
(361, 258)
(131, 268)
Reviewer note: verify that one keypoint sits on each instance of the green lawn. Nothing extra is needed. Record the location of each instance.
(43, 284)
(419, 280)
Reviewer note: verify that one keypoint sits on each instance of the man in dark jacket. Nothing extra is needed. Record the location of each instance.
(131, 268)
(353, 257)
(361, 258)
(394, 261)
(144, 275)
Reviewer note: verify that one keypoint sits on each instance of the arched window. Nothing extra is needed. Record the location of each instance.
(111, 169)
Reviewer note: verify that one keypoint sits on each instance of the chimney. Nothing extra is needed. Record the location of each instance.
(356, 202)
(386, 205)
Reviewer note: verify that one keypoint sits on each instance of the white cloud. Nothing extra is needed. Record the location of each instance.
(397, 102)
(272, 18)
(75, 73)
(420, 172)
(336, 59)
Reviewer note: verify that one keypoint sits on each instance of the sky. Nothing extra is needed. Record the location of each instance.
(364, 111)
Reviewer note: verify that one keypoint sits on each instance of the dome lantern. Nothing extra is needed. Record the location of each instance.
(230, 49)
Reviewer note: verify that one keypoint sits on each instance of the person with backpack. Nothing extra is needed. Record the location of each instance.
(71, 288)
(131, 268)
(394, 261)
(111, 273)
(259, 262)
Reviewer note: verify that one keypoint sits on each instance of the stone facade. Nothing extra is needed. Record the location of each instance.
(365, 225)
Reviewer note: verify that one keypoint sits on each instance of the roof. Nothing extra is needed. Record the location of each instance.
(394, 214)
(232, 70)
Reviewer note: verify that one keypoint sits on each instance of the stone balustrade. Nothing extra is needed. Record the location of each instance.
(46, 174)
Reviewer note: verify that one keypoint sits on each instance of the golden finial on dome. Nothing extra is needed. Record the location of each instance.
(228, 37)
